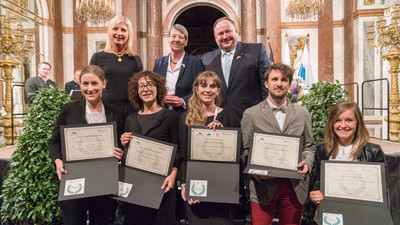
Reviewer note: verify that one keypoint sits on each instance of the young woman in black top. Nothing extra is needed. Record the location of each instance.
(204, 110)
(90, 110)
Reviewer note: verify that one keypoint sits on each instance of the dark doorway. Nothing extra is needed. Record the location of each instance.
(199, 21)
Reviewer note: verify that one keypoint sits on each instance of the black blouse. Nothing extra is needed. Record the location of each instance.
(163, 127)
(117, 75)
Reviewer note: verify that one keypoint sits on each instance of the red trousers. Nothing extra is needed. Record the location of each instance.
(285, 200)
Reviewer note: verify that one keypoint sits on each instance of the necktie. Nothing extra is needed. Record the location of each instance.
(276, 109)
(227, 66)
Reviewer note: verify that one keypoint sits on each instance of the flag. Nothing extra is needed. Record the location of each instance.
(286, 54)
(305, 69)
(271, 55)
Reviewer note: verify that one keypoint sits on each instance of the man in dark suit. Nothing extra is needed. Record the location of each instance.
(73, 84)
(33, 84)
(179, 68)
(240, 66)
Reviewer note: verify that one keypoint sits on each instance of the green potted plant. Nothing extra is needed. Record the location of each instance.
(30, 189)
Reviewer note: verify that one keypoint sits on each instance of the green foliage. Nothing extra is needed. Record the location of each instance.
(30, 190)
(319, 101)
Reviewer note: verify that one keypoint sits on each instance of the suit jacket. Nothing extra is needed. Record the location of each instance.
(246, 80)
(72, 85)
(74, 113)
(297, 122)
(191, 67)
(33, 84)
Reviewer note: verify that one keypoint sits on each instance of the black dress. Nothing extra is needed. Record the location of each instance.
(117, 76)
(205, 213)
(163, 126)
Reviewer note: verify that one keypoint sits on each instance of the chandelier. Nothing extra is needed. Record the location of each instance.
(304, 9)
(94, 11)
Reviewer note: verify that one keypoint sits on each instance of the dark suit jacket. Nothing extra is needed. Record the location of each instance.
(191, 67)
(74, 113)
(72, 85)
(246, 80)
(33, 84)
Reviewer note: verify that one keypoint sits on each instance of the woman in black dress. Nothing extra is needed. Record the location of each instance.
(90, 110)
(204, 110)
(119, 63)
(147, 92)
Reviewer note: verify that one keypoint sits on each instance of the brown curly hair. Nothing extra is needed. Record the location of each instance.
(133, 93)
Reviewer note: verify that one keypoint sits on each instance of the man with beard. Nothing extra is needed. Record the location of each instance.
(240, 66)
(179, 68)
(277, 114)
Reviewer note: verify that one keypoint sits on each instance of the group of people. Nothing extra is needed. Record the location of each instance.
(233, 86)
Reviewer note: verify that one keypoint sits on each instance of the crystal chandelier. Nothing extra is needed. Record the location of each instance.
(94, 11)
(304, 9)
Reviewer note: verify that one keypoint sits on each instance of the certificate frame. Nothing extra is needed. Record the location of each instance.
(274, 171)
(166, 145)
(354, 211)
(65, 144)
(384, 202)
(233, 157)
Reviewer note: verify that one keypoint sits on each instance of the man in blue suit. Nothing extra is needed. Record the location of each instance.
(240, 66)
(179, 68)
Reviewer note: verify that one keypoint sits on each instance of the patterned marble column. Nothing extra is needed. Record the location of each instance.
(58, 67)
(80, 43)
(325, 43)
(249, 22)
(154, 32)
(273, 25)
(349, 47)
(130, 10)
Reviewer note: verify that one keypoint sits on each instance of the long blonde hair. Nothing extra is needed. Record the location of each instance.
(113, 22)
(361, 135)
(196, 115)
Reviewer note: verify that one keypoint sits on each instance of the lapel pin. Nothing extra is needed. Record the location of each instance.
(238, 57)
(183, 65)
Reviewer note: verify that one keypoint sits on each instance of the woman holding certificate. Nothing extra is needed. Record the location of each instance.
(87, 111)
(346, 139)
(147, 91)
(204, 110)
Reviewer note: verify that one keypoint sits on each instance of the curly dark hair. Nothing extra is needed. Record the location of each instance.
(133, 93)
(283, 68)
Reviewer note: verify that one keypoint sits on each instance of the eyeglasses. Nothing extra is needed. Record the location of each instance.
(150, 86)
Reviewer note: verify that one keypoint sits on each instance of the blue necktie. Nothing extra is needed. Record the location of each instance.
(227, 66)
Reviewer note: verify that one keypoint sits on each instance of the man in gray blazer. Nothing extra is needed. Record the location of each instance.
(277, 114)
(240, 66)
(33, 84)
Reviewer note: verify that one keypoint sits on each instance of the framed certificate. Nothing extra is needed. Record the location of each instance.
(354, 193)
(354, 181)
(275, 155)
(150, 155)
(220, 145)
(88, 141)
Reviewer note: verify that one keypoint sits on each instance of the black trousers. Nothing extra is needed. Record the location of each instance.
(139, 215)
(101, 211)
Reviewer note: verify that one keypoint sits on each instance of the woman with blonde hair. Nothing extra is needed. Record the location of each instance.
(204, 110)
(119, 63)
(346, 139)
